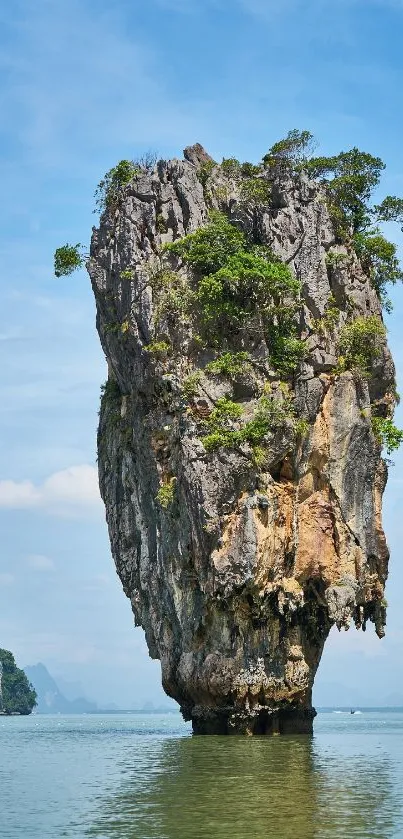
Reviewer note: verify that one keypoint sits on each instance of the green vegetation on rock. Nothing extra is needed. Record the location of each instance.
(17, 696)
(161, 223)
(68, 258)
(287, 351)
(229, 364)
(208, 248)
(227, 430)
(241, 288)
(110, 408)
(190, 385)
(327, 324)
(110, 391)
(390, 209)
(204, 172)
(350, 178)
(248, 283)
(253, 190)
(166, 493)
(220, 425)
(249, 170)
(239, 292)
(110, 187)
(378, 259)
(173, 297)
(335, 259)
(158, 348)
(232, 168)
(385, 431)
(361, 344)
(256, 191)
(293, 150)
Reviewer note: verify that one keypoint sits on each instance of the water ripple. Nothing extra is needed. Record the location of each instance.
(144, 777)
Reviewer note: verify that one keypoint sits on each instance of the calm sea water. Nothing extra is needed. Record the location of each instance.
(146, 777)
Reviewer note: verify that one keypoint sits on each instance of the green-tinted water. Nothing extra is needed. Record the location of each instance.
(144, 777)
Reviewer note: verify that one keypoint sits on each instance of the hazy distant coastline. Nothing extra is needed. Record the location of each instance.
(52, 700)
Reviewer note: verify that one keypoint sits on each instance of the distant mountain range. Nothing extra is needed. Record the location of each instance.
(50, 700)
(55, 695)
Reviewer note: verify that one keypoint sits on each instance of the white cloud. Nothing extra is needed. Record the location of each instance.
(18, 495)
(70, 492)
(39, 562)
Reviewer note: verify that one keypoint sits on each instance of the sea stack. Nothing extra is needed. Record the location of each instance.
(238, 464)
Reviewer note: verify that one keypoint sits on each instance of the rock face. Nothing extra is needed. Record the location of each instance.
(238, 574)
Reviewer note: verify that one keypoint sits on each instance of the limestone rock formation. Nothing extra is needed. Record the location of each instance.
(17, 695)
(237, 559)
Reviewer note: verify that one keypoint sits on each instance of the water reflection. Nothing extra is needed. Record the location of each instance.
(260, 788)
(357, 795)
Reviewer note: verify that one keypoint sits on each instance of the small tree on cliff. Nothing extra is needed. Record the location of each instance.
(291, 151)
(68, 258)
(391, 209)
(109, 188)
(111, 185)
(352, 177)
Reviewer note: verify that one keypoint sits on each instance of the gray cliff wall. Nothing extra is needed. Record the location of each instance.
(238, 581)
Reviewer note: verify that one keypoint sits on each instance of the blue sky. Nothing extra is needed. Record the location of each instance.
(84, 84)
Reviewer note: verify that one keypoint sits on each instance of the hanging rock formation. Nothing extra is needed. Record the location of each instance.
(237, 562)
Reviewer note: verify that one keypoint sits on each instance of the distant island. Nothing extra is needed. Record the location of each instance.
(50, 698)
(17, 696)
